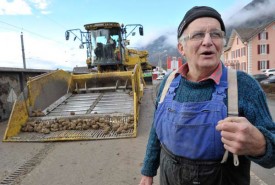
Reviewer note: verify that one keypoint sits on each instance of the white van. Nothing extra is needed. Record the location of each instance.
(160, 77)
(270, 72)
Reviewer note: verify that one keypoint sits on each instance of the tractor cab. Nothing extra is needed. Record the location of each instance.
(106, 45)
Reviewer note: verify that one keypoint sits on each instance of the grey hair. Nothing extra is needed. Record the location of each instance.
(224, 41)
(181, 39)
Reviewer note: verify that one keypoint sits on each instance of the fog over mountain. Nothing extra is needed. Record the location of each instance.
(254, 14)
(159, 50)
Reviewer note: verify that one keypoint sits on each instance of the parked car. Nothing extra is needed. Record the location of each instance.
(270, 79)
(263, 70)
(160, 77)
(260, 77)
(270, 72)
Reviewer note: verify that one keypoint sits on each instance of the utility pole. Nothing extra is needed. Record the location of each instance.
(160, 62)
(23, 51)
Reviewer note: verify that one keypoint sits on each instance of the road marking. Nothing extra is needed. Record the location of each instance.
(257, 179)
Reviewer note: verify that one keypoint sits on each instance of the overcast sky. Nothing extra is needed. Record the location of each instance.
(44, 22)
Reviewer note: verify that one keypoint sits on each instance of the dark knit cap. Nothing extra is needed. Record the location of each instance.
(198, 12)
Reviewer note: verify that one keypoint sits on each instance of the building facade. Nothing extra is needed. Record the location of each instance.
(173, 63)
(250, 49)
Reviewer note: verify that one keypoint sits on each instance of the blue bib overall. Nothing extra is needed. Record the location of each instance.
(191, 147)
(188, 129)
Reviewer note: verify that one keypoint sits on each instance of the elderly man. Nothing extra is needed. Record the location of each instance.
(192, 130)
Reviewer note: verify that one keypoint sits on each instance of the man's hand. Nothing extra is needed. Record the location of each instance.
(241, 137)
(146, 180)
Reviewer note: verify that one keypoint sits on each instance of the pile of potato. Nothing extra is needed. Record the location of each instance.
(37, 113)
(107, 124)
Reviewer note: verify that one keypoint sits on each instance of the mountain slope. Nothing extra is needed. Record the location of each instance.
(254, 14)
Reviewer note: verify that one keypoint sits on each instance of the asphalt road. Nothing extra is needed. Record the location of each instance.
(98, 162)
(260, 175)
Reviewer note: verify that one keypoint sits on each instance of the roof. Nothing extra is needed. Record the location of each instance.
(11, 69)
(101, 25)
(246, 34)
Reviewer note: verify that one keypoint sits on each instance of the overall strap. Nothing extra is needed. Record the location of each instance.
(167, 85)
(232, 106)
(220, 89)
(232, 93)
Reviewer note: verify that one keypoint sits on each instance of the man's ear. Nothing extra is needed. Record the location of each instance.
(180, 48)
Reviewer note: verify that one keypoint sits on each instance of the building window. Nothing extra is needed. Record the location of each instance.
(263, 49)
(232, 54)
(243, 66)
(263, 64)
(232, 66)
(237, 65)
(263, 36)
(243, 51)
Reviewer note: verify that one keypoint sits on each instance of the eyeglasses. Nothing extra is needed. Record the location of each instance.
(200, 35)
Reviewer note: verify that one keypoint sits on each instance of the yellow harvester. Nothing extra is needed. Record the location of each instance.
(100, 101)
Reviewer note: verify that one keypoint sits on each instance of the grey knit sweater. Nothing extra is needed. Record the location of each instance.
(252, 105)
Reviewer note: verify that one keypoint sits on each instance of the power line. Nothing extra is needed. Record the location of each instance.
(6, 28)
(31, 32)
(9, 24)
(61, 26)
(21, 29)
(36, 11)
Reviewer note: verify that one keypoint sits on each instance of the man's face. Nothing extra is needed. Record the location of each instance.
(202, 45)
